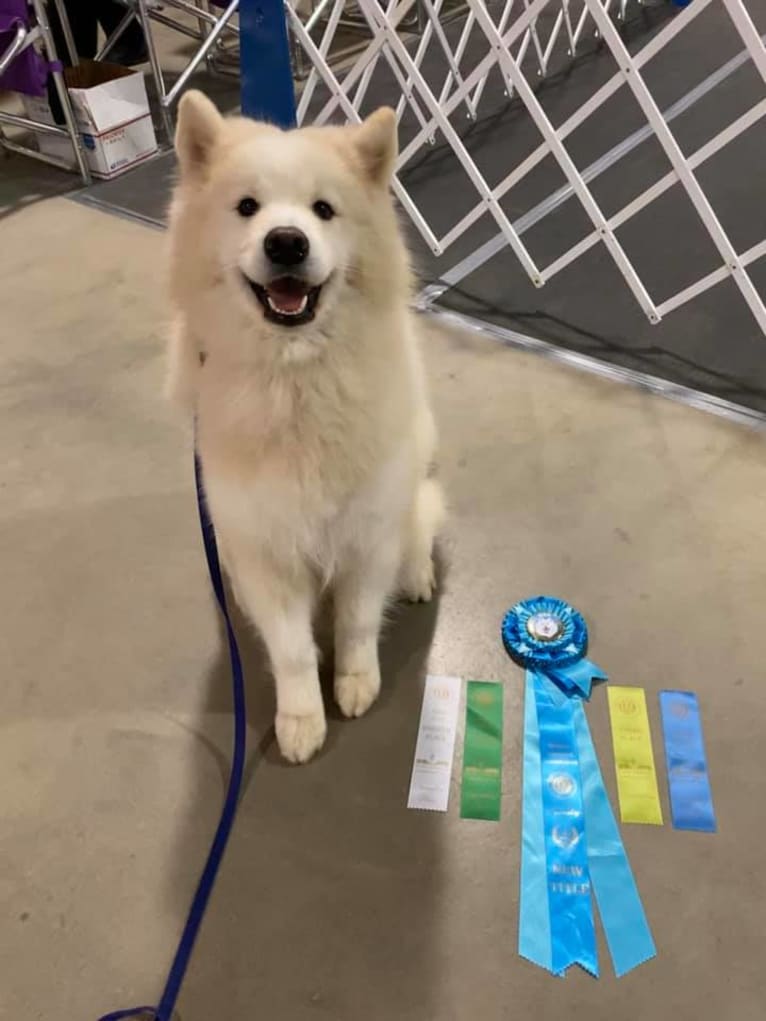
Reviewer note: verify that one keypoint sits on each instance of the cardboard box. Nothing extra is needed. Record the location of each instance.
(112, 113)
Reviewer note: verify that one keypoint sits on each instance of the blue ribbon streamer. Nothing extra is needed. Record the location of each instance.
(534, 914)
(556, 932)
(573, 936)
(691, 801)
(622, 914)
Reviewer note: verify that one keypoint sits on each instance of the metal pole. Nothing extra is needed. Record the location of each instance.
(41, 15)
(200, 55)
(142, 13)
(267, 79)
(106, 49)
(66, 28)
(14, 49)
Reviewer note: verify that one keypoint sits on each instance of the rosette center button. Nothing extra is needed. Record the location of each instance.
(545, 627)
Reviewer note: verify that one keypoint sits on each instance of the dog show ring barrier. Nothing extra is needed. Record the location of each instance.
(516, 43)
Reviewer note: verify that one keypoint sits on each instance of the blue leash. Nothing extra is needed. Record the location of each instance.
(164, 1011)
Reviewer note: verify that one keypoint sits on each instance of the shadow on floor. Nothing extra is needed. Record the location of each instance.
(25, 181)
(325, 855)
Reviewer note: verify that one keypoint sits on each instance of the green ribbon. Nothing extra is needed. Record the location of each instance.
(483, 751)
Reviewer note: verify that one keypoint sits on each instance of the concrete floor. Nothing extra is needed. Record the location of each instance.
(335, 901)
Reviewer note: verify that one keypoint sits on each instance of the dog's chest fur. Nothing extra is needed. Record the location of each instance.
(303, 461)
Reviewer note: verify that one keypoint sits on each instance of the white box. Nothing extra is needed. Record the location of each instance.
(112, 113)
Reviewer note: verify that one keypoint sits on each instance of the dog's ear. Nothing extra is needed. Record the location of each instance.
(199, 127)
(377, 145)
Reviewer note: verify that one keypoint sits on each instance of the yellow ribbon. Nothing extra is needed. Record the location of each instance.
(633, 756)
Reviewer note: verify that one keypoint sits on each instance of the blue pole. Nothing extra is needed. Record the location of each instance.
(267, 77)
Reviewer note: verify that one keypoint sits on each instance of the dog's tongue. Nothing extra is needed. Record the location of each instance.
(287, 294)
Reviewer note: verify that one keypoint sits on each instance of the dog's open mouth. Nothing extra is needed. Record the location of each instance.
(288, 301)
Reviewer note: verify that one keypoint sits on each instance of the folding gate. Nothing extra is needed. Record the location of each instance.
(439, 72)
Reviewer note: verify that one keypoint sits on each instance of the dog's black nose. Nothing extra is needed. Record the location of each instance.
(286, 246)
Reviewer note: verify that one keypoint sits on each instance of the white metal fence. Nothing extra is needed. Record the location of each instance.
(519, 41)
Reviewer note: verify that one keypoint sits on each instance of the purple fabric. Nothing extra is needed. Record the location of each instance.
(28, 73)
(17, 9)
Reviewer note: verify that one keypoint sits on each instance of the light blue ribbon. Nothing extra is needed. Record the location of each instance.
(555, 922)
(573, 936)
(622, 915)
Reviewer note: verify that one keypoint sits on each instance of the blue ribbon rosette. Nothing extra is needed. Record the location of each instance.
(571, 845)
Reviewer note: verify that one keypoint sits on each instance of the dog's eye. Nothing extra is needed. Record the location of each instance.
(247, 206)
(323, 210)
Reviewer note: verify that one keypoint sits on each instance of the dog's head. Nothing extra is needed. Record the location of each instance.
(292, 223)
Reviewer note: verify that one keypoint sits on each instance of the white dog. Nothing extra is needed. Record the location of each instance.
(295, 347)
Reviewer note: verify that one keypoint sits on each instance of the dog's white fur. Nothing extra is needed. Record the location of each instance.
(315, 440)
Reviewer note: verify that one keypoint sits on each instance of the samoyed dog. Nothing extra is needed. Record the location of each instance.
(295, 349)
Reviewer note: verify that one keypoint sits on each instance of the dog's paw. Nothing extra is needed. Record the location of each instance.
(300, 737)
(355, 693)
(420, 583)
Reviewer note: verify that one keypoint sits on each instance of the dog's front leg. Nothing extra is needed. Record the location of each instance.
(362, 588)
(281, 602)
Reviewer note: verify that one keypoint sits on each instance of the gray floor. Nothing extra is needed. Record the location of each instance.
(335, 901)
